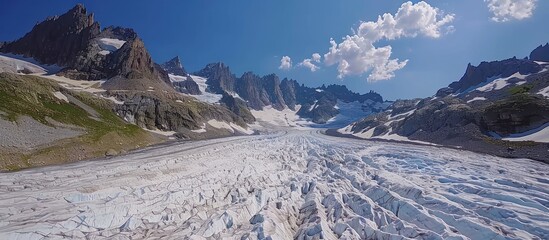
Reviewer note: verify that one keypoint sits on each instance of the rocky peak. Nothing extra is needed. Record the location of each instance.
(126, 34)
(219, 77)
(289, 89)
(58, 40)
(175, 67)
(486, 70)
(271, 84)
(541, 53)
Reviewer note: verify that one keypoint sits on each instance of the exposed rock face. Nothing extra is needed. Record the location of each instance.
(238, 107)
(541, 53)
(188, 86)
(116, 32)
(486, 70)
(322, 110)
(517, 114)
(58, 40)
(175, 67)
(151, 111)
(271, 84)
(288, 89)
(219, 76)
(249, 87)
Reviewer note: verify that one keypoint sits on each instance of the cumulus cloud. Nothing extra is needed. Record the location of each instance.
(308, 62)
(506, 10)
(285, 63)
(357, 54)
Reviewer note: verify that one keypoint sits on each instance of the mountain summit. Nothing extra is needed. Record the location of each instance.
(174, 66)
(75, 42)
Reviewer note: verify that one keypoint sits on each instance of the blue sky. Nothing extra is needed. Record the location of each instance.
(251, 35)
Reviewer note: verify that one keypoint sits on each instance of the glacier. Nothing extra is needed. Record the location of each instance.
(290, 184)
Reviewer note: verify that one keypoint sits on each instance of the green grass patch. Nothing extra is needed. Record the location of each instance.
(520, 89)
(33, 96)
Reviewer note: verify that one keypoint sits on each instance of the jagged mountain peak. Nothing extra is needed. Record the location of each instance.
(475, 75)
(174, 66)
(126, 34)
(541, 53)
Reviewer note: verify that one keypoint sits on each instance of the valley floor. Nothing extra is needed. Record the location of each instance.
(291, 184)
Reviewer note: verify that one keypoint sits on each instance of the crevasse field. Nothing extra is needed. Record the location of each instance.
(288, 185)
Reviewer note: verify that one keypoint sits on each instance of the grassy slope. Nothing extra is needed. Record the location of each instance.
(33, 96)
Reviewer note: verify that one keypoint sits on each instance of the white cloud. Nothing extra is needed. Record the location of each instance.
(357, 54)
(316, 57)
(506, 10)
(308, 62)
(285, 63)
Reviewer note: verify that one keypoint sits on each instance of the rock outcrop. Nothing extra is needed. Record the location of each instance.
(175, 113)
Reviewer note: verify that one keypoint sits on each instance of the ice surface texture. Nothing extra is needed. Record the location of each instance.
(290, 185)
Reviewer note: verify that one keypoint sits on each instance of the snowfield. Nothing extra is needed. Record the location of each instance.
(288, 185)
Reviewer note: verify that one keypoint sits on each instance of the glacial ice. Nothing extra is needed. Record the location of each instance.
(287, 185)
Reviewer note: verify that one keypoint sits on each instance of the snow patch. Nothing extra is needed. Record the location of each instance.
(163, 133)
(229, 126)
(539, 134)
(205, 96)
(109, 45)
(544, 92)
(500, 83)
(477, 99)
(286, 117)
(19, 64)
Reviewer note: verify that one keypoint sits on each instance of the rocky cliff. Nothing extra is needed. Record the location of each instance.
(484, 111)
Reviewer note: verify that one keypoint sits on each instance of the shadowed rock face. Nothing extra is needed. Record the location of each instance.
(219, 78)
(271, 84)
(249, 87)
(541, 53)
(175, 67)
(188, 86)
(517, 114)
(238, 107)
(58, 40)
(288, 89)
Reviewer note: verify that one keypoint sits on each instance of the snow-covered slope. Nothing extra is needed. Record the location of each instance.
(202, 85)
(298, 185)
(18, 64)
